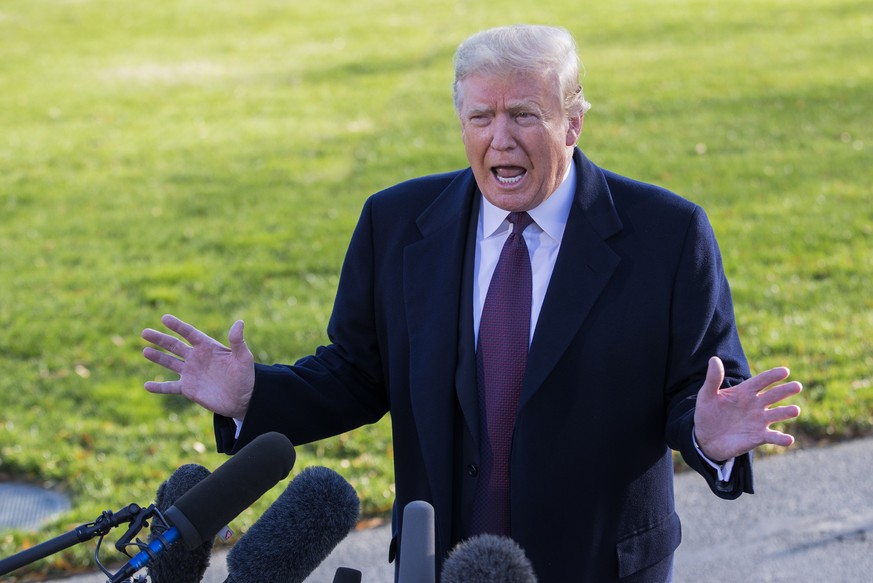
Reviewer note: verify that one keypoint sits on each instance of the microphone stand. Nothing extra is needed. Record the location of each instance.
(100, 527)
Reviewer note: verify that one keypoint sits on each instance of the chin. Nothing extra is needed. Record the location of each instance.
(513, 204)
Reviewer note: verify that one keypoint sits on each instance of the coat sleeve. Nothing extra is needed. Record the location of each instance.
(702, 326)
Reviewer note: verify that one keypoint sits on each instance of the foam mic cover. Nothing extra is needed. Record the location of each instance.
(298, 531)
(202, 511)
(207, 507)
(347, 575)
(487, 558)
(179, 564)
(417, 541)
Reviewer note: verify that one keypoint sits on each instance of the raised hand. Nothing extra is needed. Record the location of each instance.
(215, 376)
(730, 421)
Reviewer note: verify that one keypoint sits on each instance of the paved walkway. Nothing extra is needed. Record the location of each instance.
(810, 522)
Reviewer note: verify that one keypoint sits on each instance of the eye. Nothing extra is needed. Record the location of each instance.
(478, 119)
(526, 117)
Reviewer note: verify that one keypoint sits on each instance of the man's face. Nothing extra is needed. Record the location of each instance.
(517, 137)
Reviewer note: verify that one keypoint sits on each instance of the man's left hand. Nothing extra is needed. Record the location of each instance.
(731, 421)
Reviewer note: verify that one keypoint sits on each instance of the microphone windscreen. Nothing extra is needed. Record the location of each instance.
(179, 564)
(417, 543)
(487, 558)
(201, 513)
(347, 575)
(298, 531)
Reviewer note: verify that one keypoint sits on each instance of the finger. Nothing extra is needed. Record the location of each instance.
(761, 381)
(235, 337)
(714, 377)
(167, 342)
(778, 414)
(778, 438)
(184, 329)
(152, 335)
(779, 393)
(162, 358)
(164, 387)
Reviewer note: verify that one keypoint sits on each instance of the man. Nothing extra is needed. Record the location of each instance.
(541, 330)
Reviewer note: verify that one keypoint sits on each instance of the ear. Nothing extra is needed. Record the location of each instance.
(574, 129)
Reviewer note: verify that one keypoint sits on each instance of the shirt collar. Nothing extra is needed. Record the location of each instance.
(551, 214)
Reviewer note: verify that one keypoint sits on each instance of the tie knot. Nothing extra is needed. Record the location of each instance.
(520, 222)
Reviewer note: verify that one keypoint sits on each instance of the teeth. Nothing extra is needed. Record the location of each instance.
(508, 180)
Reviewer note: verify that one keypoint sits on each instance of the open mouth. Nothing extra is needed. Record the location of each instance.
(508, 175)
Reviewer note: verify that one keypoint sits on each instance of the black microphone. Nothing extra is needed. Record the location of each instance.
(417, 542)
(179, 564)
(487, 558)
(298, 531)
(199, 514)
(347, 575)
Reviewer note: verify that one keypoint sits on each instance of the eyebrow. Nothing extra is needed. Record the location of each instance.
(475, 109)
(524, 106)
(512, 107)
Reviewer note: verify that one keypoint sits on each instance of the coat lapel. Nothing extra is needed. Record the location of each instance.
(583, 267)
(433, 273)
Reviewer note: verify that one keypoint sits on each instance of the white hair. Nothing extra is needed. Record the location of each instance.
(545, 50)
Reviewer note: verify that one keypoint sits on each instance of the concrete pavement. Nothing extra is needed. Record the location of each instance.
(811, 521)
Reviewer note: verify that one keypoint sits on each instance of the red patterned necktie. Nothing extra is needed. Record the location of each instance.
(501, 357)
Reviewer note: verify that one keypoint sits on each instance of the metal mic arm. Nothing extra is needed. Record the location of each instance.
(137, 523)
(100, 527)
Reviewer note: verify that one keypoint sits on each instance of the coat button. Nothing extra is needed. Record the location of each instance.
(472, 470)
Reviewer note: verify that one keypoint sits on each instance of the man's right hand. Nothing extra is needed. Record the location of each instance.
(214, 376)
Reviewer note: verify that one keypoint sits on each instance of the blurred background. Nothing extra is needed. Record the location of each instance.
(210, 159)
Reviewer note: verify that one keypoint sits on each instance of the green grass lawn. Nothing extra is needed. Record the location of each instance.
(210, 159)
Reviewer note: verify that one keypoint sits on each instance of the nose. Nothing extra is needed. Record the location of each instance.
(502, 137)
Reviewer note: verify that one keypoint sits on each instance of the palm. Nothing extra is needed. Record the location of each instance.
(215, 376)
(731, 421)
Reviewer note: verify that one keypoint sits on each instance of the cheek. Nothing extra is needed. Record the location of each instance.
(474, 142)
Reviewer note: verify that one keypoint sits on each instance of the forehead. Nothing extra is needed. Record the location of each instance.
(492, 90)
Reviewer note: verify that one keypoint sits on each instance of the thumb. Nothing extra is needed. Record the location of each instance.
(235, 337)
(714, 377)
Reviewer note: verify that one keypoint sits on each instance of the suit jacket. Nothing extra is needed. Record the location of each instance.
(636, 305)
